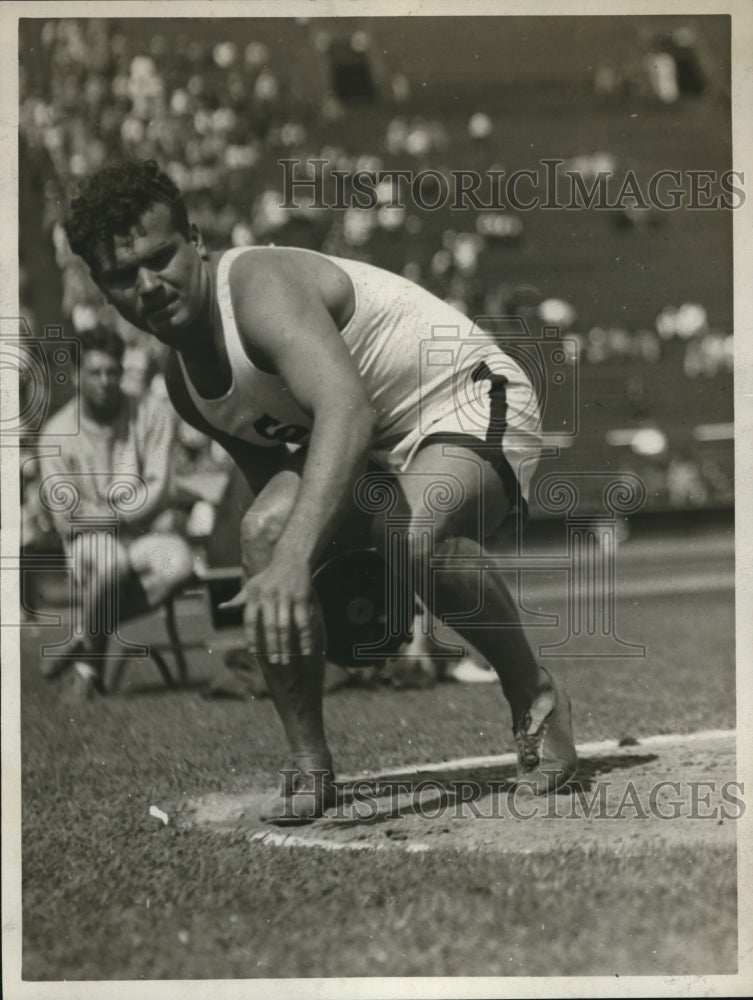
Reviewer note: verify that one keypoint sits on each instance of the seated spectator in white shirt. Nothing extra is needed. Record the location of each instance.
(103, 437)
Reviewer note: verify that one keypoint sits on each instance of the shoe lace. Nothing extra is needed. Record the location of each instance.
(529, 745)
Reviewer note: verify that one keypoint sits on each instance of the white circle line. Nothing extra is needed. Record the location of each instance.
(595, 748)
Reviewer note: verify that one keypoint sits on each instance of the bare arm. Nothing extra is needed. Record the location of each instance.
(282, 319)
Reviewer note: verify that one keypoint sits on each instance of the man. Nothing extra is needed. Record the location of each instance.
(101, 437)
(280, 345)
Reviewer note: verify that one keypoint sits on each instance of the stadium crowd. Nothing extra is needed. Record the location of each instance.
(217, 115)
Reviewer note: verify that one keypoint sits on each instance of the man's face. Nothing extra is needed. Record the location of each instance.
(156, 278)
(99, 383)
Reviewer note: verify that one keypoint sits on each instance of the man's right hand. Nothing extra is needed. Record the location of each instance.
(279, 611)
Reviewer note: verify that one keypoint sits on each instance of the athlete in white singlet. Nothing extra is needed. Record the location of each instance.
(427, 370)
(277, 346)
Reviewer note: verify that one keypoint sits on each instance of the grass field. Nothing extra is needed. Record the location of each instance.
(109, 892)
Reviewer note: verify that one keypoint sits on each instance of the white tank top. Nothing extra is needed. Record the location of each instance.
(414, 352)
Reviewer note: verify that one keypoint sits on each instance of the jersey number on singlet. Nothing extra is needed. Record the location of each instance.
(273, 430)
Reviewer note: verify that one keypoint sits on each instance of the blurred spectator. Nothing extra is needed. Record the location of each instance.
(218, 113)
(685, 484)
(139, 368)
(708, 354)
(101, 435)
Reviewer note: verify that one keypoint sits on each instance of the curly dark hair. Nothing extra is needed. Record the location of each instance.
(112, 201)
(104, 339)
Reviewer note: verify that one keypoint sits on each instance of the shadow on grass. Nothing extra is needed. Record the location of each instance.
(452, 787)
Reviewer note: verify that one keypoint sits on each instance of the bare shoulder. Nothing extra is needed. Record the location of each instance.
(266, 272)
(287, 280)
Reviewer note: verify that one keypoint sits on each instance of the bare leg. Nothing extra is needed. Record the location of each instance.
(459, 533)
(295, 687)
(101, 585)
(139, 579)
(503, 643)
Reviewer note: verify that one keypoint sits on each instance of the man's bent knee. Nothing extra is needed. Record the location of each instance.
(264, 522)
(260, 532)
(417, 541)
(262, 527)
